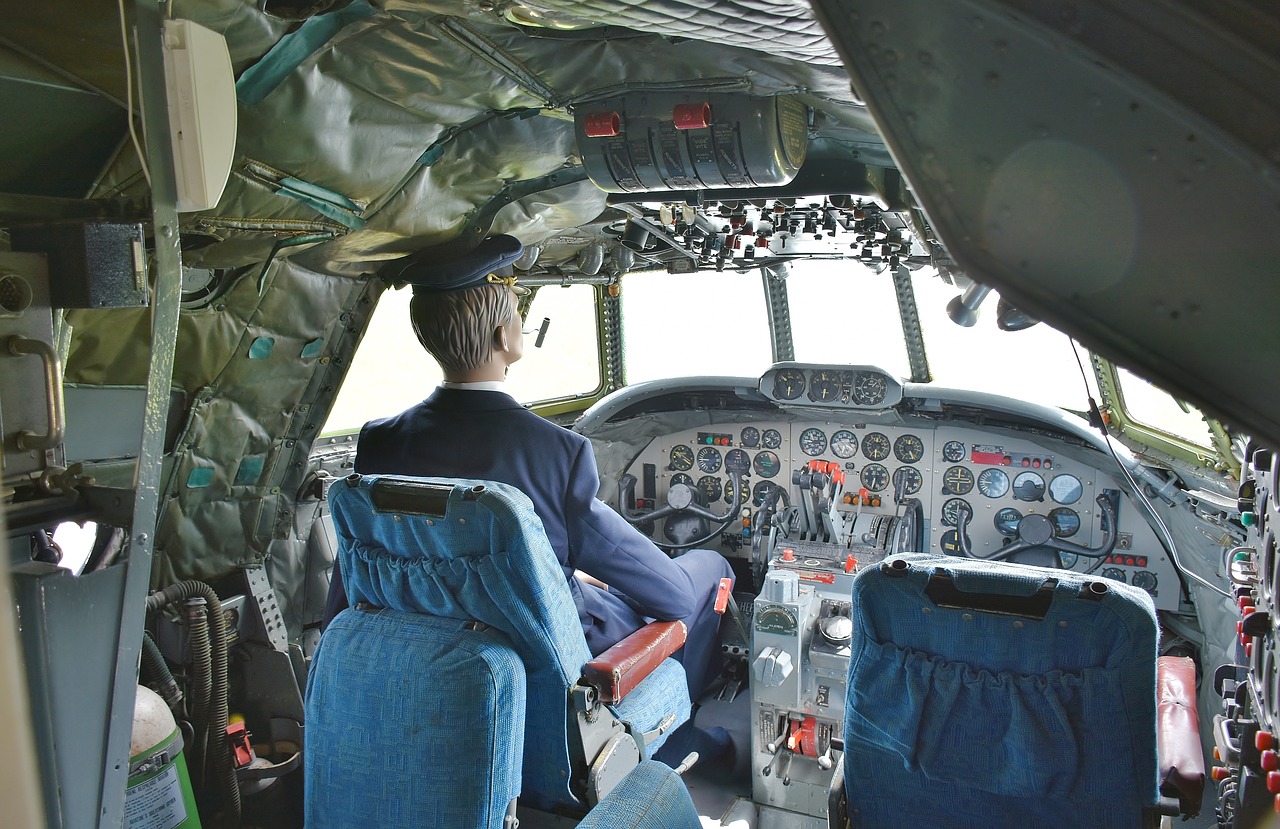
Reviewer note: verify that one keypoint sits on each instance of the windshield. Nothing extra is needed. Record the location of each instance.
(716, 323)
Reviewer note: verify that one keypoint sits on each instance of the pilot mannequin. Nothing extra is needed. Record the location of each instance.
(467, 319)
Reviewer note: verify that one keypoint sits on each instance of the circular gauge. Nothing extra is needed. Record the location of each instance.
(1065, 489)
(824, 386)
(813, 442)
(728, 492)
(681, 458)
(767, 464)
(771, 439)
(1028, 486)
(1146, 580)
(950, 543)
(681, 478)
(761, 492)
(957, 480)
(711, 487)
(1066, 522)
(951, 511)
(908, 478)
(908, 449)
(1006, 521)
(844, 444)
(869, 388)
(874, 477)
(1067, 561)
(993, 483)
(709, 459)
(750, 437)
(788, 384)
(1113, 573)
(876, 446)
(735, 461)
(953, 451)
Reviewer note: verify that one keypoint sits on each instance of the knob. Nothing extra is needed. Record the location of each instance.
(772, 667)
(781, 586)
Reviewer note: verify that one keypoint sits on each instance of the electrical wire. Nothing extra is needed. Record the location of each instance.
(128, 95)
(1137, 488)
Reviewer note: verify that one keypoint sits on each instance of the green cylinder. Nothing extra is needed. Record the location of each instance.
(158, 795)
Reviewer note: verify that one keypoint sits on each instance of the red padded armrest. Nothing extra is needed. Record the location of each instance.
(617, 671)
(1178, 733)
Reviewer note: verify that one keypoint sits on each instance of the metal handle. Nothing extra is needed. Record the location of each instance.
(20, 346)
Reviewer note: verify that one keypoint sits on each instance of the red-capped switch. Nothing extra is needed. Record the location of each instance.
(849, 563)
(1277, 806)
(1264, 740)
(602, 124)
(1219, 773)
(1270, 761)
(788, 554)
(692, 116)
(1273, 782)
(722, 595)
(238, 740)
(1244, 601)
(1248, 654)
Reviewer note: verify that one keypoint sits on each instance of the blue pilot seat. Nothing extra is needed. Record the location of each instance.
(462, 647)
(988, 694)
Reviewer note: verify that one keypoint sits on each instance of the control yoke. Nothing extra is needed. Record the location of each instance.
(1037, 530)
(681, 501)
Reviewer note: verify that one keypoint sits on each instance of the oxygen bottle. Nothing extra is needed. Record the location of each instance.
(159, 789)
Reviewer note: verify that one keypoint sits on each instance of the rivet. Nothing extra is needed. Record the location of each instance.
(395, 518)
(1062, 623)
(462, 520)
(968, 617)
(1017, 624)
(926, 610)
(430, 523)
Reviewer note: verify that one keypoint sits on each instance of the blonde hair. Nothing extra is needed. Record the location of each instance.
(457, 328)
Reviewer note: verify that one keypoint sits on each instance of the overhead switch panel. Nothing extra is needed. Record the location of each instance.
(684, 141)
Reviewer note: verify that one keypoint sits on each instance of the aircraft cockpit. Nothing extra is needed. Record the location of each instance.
(944, 328)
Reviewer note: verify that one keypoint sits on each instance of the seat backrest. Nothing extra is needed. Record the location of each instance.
(471, 550)
(413, 722)
(991, 694)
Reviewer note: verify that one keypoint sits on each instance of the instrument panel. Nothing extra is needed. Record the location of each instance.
(1000, 480)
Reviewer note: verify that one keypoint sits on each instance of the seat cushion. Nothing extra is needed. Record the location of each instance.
(652, 796)
(412, 721)
(662, 695)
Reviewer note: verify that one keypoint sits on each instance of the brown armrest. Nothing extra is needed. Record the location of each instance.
(1178, 733)
(617, 671)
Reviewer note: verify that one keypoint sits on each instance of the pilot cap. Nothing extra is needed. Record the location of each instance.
(487, 264)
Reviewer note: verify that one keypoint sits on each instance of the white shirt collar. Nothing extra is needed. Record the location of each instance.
(482, 385)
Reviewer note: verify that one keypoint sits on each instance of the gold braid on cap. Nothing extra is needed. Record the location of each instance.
(494, 279)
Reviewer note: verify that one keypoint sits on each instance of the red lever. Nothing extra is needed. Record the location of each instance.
(238, 739)
(602, 124)
(722, 595)
(692, 116)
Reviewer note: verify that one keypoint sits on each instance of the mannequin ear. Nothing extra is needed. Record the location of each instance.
(500, 339)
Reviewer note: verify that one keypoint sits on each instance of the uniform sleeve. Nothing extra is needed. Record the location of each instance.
(604, 545)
